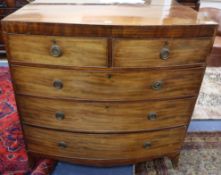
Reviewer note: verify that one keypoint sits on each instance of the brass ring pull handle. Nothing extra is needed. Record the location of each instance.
(157, 85)
(58, 84)
(55, 50)
(165, 53)
(59, 115)
(62, 145)
(147, 145)
(152, 116)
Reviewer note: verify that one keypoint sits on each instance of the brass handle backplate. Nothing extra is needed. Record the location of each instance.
(62, 145)
(58, 84)
(147, 145)
(152, 116)
(59, 115)
(55, 50)
(165, 52)
(157, 85)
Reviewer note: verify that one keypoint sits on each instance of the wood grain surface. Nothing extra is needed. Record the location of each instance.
(75, 51)
(134, 21)
(108, 163)
(103, 146)
(104, 85)
(110, 15)
(78, 30)
(146, 53)
(103, 2)
(109, 117)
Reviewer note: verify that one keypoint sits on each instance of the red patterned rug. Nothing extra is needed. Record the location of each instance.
(13, 158)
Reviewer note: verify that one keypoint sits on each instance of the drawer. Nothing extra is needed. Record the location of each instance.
(160, 52)
(103, 85)
(62, 51)
(103, 147)
(104, 117)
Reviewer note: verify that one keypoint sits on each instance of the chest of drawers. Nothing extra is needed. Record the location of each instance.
(106, 85)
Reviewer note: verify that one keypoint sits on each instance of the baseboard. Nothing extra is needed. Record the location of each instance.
(204, 125)
(3, 63)
(72, 169)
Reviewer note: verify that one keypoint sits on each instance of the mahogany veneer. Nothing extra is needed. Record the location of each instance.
(106, 85)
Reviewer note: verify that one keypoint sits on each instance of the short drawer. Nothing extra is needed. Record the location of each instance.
(103, 85)
(61, 51)
(160, 52)
(103, 146)
(104, 117)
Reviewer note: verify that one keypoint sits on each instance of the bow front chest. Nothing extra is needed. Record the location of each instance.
(106, 84)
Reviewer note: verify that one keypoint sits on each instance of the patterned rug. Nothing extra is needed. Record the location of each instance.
(208, 105)
(13, 158)
(200, 155)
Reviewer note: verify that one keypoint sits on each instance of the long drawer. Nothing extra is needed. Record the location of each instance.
(54, 50)
(106, 85)
(160, 52)
(103, 146)
(104, 117)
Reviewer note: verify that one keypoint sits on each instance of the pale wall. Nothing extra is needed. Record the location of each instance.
(211, 3)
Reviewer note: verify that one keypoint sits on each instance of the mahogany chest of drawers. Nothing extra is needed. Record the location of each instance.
(106, 84)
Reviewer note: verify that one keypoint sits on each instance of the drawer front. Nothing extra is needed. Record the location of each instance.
(103, 146)
(161, 52)
(64, 51)
(98, 85)
(104, 117)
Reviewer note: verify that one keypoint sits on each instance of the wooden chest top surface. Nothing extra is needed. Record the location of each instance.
(135, 20)
(108, 15)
